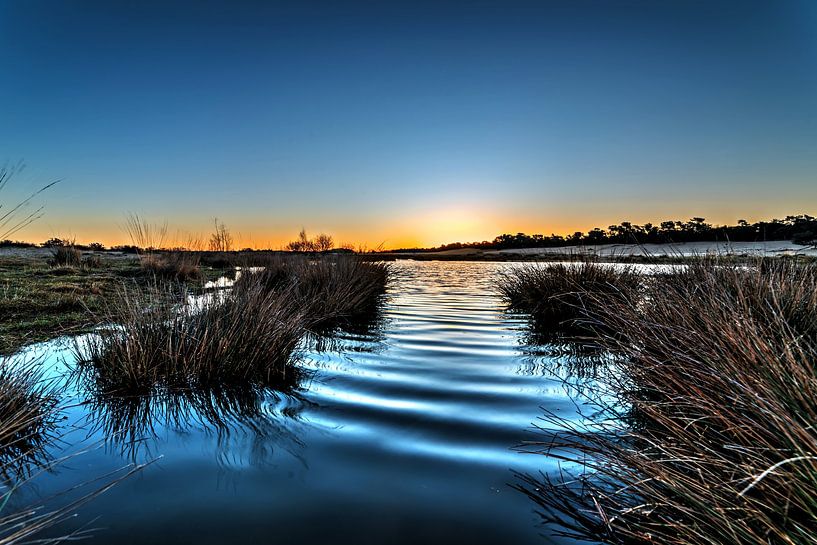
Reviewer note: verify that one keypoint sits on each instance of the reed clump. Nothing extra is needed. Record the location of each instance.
(336, 291)
(710, 437)
(559, 296)
(178, 266)
(164, 340)
(66, 256)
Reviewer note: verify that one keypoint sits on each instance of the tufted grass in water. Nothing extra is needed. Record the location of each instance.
(338, 291)
(557, 295)
(162, 340)
(717, 367)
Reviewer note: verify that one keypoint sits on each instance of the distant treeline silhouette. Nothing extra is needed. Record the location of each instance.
(800, 229)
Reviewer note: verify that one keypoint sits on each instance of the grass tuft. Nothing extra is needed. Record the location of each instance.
(337, 291)
(557, 297)
(710, 437)
(177, 266)
(27, 406)
(66, 256)
(165, 341)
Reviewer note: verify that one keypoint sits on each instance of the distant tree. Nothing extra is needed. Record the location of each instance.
(221, 240)
(800, 228)
(302, 244)
(323, 243)
(53, 242)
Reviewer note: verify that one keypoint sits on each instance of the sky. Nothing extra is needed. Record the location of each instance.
(405, 124)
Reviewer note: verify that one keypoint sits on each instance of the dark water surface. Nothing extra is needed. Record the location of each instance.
(404, 435)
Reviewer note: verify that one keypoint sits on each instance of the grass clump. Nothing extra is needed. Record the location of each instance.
(559, 296)
(337, 291)
(165, 341)
(66, 256)
(711, 437)
(177, 266)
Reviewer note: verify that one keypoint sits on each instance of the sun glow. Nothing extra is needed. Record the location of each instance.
(454, 223)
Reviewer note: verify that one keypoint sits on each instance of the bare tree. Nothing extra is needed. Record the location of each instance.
(303, 244)
(323, 243)
(221, 240)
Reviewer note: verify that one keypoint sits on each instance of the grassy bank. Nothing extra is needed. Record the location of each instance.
(711, 436)
(50, 295)
(39, 301)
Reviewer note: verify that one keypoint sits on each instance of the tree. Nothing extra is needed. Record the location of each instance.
(323, 243)
(221, 240)
(303, 244)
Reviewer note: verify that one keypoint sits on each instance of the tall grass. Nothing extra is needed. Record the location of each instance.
(180, 266)
(165, 341)
(335, 291)
(66, 256)
(15, 216)
(711, 438)
(558, 296)
(246, 335)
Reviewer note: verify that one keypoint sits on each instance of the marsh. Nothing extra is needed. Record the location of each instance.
(405, 433)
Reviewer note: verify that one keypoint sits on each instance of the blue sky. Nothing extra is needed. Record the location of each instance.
(417, 122)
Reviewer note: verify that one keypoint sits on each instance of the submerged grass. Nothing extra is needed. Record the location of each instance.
(711, 438)
(28, 414)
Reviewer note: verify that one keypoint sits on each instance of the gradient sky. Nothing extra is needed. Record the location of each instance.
(408, 123)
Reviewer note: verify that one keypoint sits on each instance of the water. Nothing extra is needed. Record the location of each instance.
(402, 435)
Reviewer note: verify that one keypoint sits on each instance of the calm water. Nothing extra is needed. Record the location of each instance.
(404, 435)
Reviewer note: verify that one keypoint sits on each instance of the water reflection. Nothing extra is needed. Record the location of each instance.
(248, 423)
(28, 418)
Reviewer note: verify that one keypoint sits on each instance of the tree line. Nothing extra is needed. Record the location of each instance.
(801, 229)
